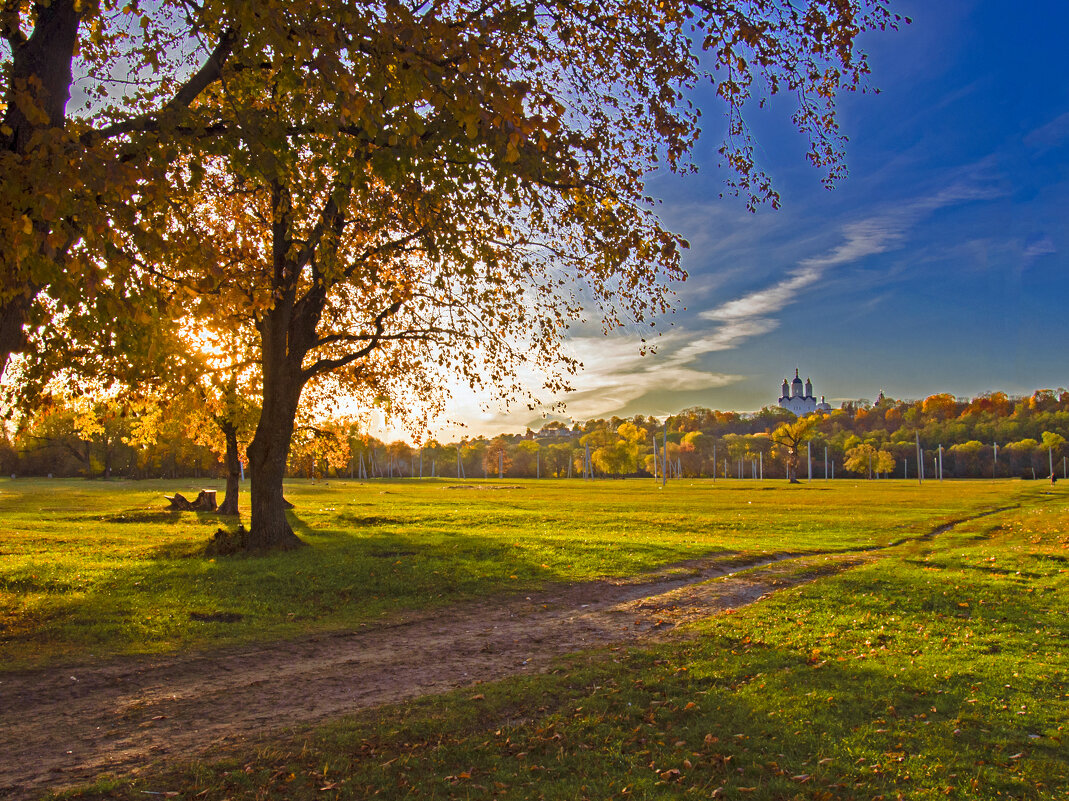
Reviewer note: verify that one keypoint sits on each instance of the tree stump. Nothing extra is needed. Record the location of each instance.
(204, 502)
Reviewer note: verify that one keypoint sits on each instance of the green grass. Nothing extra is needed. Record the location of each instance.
(939, 669)
(96, 569)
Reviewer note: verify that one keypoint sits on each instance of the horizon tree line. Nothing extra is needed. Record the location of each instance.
(991, 435)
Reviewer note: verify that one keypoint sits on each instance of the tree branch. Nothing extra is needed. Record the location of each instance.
(210, 72)
(374, 340)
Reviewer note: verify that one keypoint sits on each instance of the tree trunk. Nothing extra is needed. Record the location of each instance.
(287, 334)
(282, 384)
(229, 506)
(41, 75)
(269, 528)
(12, 335)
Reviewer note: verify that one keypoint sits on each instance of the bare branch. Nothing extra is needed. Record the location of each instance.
(210, 72)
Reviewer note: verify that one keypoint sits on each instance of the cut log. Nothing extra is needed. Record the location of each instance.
(204, 502)
(178, 503)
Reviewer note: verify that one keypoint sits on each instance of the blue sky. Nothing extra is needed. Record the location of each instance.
(939, 265)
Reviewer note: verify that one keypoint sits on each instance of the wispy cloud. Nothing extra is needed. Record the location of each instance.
(765, 301)
(1050, 135)
(754, 314)
(1040, 247)
(615, 374)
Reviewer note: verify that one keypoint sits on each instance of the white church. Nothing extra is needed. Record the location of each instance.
(799, 399)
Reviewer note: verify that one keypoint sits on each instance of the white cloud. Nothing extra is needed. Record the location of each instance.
(753, 314)
(765, 301)
(1050, 135)
(1040, 247)
(729, 335)
(615, 373)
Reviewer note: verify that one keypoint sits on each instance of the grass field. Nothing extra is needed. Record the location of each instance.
(92, 569)
(938, 669)
(939, 672)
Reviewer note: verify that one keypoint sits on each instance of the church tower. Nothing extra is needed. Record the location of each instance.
(798, 397)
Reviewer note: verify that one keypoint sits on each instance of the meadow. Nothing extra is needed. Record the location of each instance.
(935, 669)
(90, 569)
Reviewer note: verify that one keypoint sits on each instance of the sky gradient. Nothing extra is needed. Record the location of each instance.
(938, 265)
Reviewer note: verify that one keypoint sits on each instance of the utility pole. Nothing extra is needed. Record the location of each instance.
(664, 466)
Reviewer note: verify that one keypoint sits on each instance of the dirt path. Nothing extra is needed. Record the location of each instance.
(60, 727)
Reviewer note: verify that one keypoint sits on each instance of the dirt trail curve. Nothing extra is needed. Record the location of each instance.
(59, 727)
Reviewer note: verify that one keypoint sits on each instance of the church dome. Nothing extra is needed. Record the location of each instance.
(798, 396)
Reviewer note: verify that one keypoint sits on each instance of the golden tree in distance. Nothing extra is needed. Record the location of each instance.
(789, 439)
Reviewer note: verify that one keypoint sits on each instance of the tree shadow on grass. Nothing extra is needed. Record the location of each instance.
(345, 579)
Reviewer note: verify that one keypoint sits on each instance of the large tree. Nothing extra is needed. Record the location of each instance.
(386, 193)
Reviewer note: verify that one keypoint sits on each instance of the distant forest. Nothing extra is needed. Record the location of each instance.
(991, 435)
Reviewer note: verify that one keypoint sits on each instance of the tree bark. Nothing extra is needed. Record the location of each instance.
(41, 64)
(12, 335)
(229, 506)
(269, 529)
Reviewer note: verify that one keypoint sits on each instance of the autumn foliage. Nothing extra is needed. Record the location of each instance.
(368, 198)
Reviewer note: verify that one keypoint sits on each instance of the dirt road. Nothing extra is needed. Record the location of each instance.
(62, 727)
